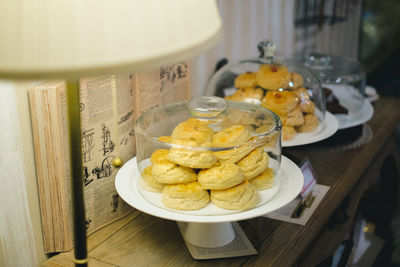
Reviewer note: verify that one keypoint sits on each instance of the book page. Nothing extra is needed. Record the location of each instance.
(175, 83)
(169, 84)
(110, 105)
(65, 188)
(125, 116)
(49, 124)
(107, 119)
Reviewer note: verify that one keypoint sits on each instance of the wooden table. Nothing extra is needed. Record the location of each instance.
(143, 240)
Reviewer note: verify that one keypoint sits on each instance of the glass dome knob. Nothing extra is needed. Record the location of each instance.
(207, 106)
(266, 49)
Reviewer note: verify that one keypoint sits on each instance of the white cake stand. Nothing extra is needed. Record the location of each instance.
(207, 229)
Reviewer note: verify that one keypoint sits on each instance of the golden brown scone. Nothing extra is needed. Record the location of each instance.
(189, 196)
(241, 197)
(231, 136)
(159, 156)
(302, 93)
(288, 133)
(310, 123)
(235, 116)
(270, 141)
(167, 172)
(296, 80)
(247, 79)
(294, 118)
(193, 129)
(235, 154)
(149, 183)
(221, 176)
(165, 139)
(264, 180)
(306, 104)
(249, 95)
(272, 76)
(280, 102)
(254, 163)
(191, 157)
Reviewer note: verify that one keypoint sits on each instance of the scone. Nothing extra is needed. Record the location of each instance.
(241, 197)
(254, 163)
(302, 93)
(235, 154)
(193, 129)
(280, 102)
(306, 104)
(221, 176)
(255, 118)
(270, 141)
(296, 80)
(248, 95)
(310, 123)
(191, 157)
(148, 182)
(231, 136)
(167, 172)
(165, 139)
(272, 76)
(288, 133)
(294, 117)
(159, 156)
(247, 79)
(264, 180)
(189, 196)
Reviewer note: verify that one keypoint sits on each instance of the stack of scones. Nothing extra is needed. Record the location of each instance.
(282, 92)
(189, 174)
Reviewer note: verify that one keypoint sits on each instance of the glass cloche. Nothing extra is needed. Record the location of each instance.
(343, 82)
(209, 151)
(280, 85)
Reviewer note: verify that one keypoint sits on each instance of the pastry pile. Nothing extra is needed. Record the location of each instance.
(282, 92)
(189, 177)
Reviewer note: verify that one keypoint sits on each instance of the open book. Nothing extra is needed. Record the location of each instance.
(110, 106)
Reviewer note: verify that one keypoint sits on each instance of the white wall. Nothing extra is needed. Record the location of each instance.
(245, 24)
(340, 39)
(20, 230)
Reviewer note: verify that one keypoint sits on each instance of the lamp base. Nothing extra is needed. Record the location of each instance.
(75, 143)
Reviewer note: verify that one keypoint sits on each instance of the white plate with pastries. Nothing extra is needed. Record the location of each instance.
(127, 185)
(325, 129)
(357, 110)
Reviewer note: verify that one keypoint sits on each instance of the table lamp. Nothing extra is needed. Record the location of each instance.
(75, 38)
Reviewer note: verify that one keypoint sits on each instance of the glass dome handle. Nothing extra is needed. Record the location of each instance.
(207, 106)
(266, 49)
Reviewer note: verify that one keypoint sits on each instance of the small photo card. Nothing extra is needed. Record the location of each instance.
(309, 178)
(300, 209)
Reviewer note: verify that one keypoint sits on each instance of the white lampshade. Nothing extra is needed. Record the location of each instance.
(69, 38)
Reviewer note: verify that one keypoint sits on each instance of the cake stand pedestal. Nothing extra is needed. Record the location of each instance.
(209, 235)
